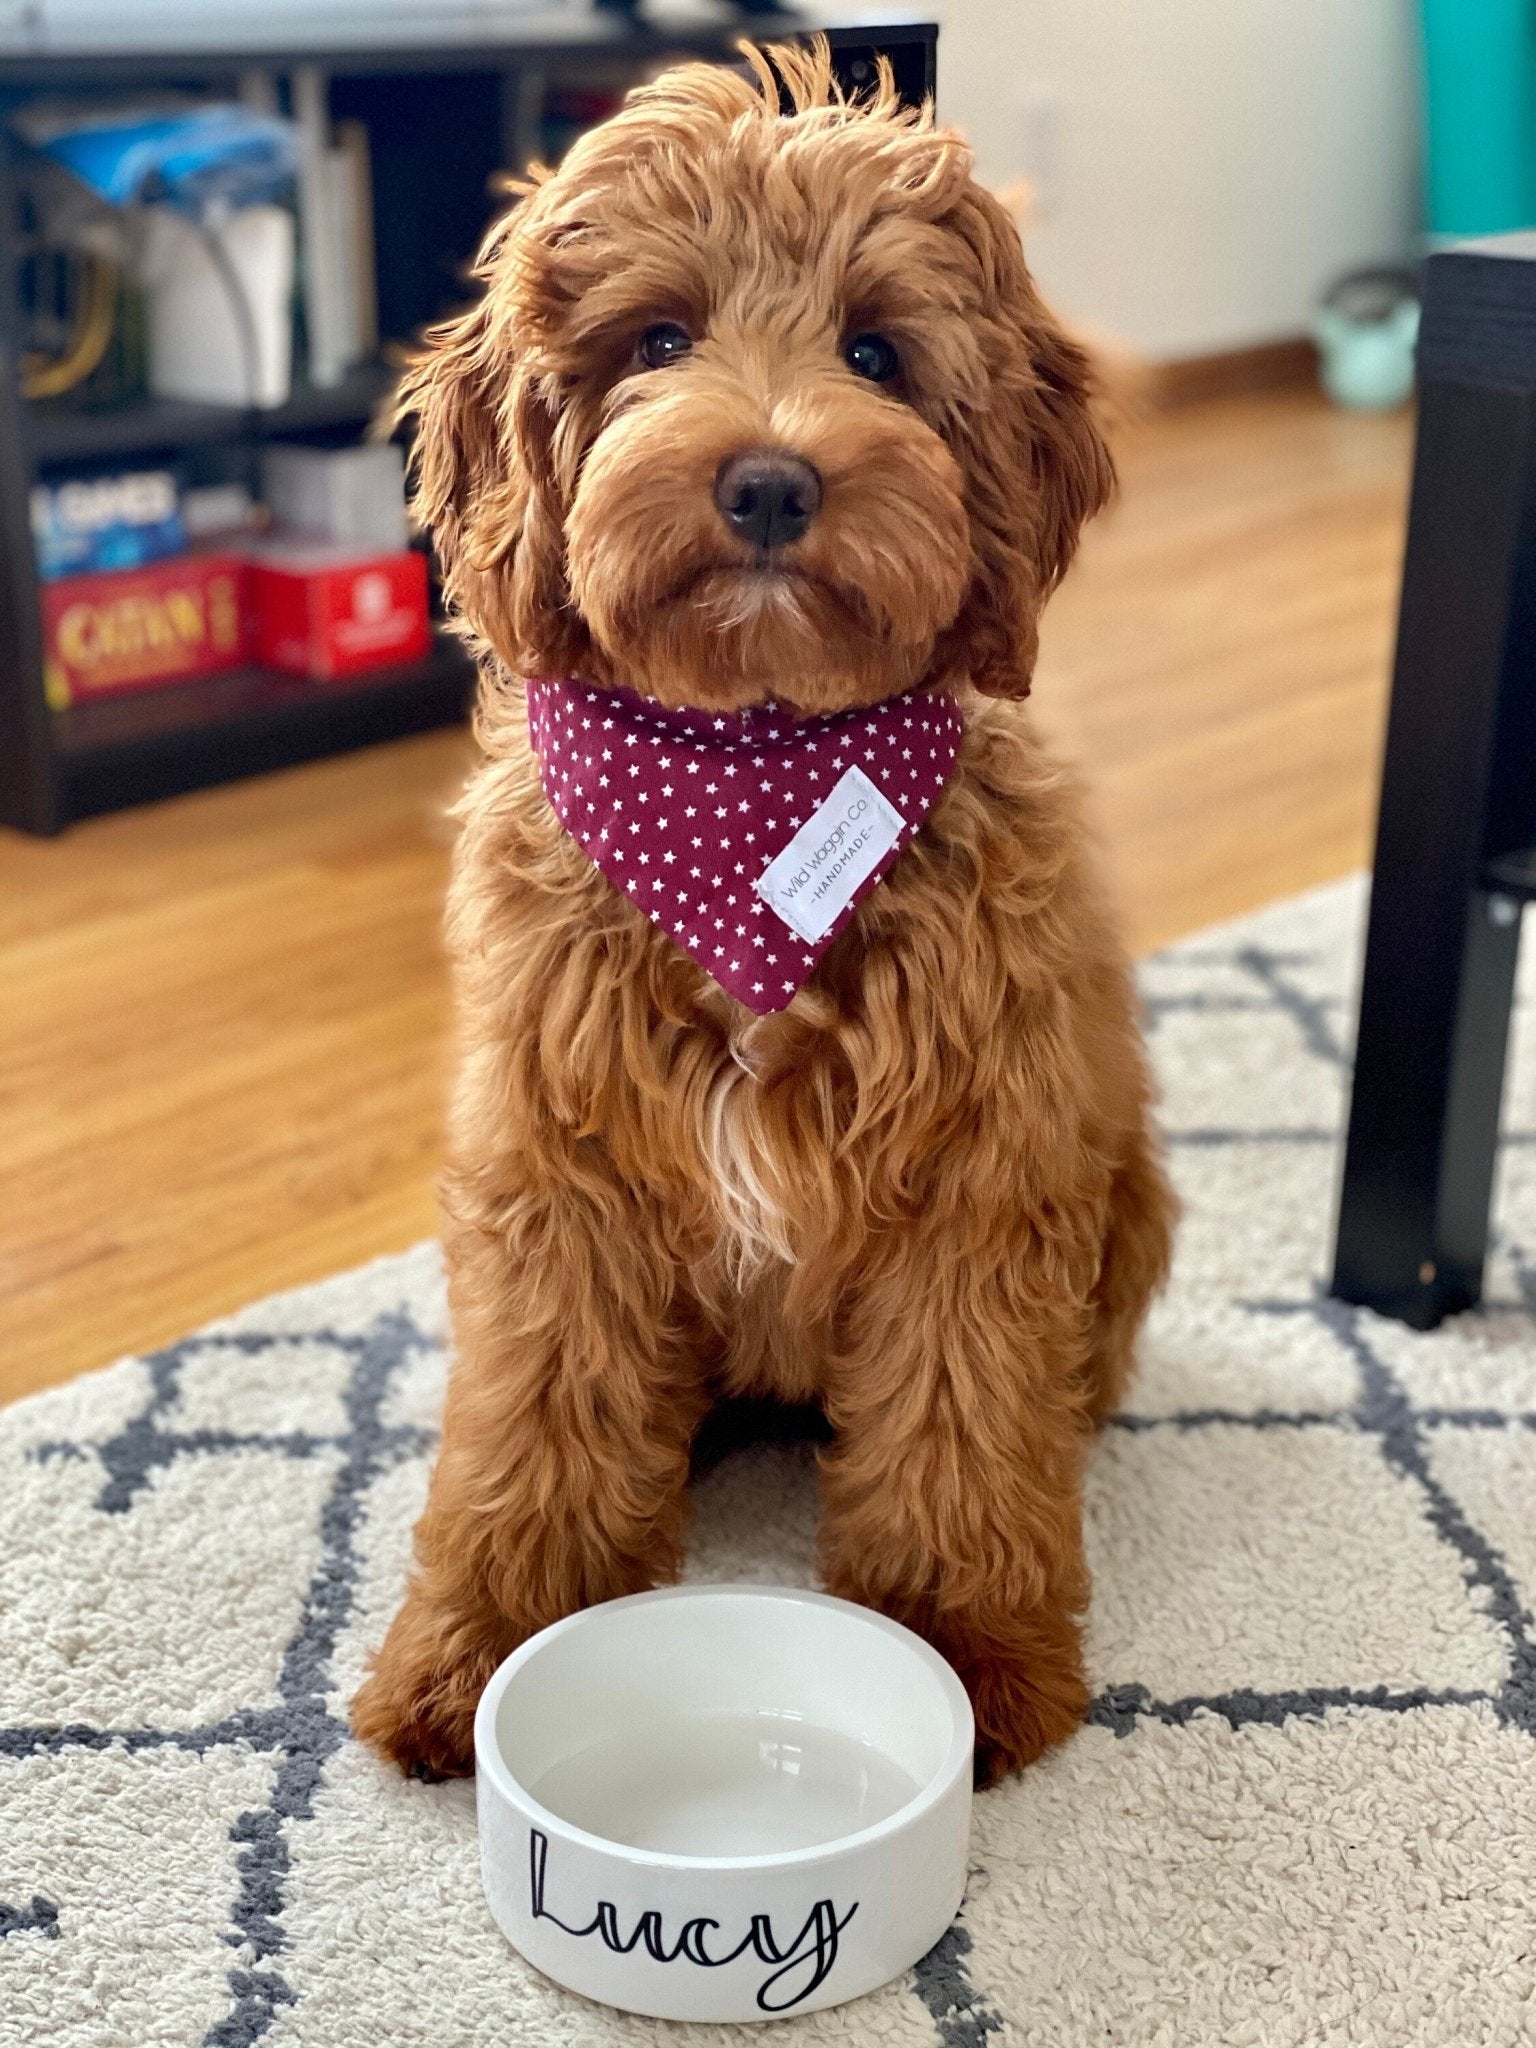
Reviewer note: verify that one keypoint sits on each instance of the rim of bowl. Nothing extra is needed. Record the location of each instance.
(489, 1758)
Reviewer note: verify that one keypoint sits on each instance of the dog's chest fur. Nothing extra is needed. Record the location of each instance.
(746, 1174)
(772, 1214)
(769, 1153)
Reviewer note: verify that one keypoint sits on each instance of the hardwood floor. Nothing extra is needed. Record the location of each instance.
(223, 1027)
(1218, 659)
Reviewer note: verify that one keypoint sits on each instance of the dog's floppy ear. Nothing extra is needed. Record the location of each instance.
(484, 487)
(1036, 465)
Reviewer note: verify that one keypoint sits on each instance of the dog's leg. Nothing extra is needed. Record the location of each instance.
(564, 1460)
(1137, 1244)
(953, 1491)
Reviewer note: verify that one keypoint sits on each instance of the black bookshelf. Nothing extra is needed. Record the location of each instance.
(60, 435)
(446, 114)
(135, 749)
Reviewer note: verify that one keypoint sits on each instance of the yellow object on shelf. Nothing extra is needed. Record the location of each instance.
(45, 376)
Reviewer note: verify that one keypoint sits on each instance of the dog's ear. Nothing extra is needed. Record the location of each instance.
(484, 484)
(1036, 464)
(457, 457)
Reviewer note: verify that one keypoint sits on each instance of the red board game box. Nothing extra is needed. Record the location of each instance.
(327, 612)
(140, 629)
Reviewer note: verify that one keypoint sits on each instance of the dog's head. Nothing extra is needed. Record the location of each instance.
(757, 404)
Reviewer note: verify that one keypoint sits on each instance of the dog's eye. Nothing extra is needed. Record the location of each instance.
(664, 343)
(871, 356)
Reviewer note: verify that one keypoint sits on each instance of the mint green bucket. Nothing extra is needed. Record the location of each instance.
(1480, 82)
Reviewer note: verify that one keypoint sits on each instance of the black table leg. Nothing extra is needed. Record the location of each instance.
(1458, 805)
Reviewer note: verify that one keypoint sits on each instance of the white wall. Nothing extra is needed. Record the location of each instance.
(1209, 166)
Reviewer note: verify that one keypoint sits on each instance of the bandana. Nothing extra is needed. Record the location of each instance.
(748, 837)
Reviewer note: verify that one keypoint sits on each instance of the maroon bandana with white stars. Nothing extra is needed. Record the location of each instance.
(748, 836)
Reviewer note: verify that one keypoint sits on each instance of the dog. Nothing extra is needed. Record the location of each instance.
(758, 443)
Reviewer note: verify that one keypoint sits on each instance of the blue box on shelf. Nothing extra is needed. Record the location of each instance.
(83, 524)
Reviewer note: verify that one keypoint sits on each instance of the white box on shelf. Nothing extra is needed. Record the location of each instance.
(354, 496)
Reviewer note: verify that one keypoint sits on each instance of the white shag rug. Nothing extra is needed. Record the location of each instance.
(1303, 1810)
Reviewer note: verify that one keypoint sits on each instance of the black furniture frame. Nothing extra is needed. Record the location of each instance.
(1456, 842)
(445, 116)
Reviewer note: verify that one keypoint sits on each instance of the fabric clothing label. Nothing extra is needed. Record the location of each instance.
(812, 882)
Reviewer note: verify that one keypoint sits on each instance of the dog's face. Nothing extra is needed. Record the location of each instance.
(757, 405)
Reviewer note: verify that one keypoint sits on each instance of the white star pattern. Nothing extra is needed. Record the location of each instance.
(779, 768)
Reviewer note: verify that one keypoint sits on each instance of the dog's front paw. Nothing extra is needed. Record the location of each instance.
(1025, 1699)
(417, 1706)
(427, 1729)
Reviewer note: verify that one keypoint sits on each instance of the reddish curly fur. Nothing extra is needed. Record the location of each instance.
(927, 1194)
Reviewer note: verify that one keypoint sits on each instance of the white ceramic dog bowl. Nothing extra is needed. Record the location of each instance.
(724, 1802)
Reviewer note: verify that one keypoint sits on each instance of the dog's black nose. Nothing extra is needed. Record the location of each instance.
(768, 500)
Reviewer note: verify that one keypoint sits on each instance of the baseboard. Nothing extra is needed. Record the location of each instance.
(1234, 373)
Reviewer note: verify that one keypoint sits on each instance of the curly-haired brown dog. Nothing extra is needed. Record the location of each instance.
(926, 1194)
